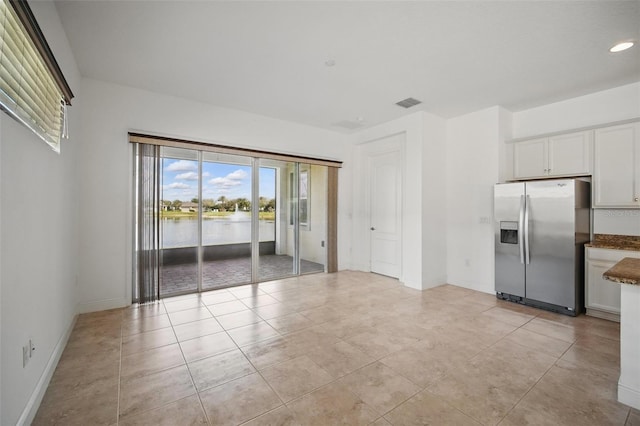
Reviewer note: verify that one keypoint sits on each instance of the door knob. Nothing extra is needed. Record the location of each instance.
(373, 229)
(636, 199)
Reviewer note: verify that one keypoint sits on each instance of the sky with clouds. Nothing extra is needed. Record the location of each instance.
(180, 180)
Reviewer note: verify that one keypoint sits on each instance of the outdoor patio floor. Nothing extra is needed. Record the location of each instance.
(228, 272)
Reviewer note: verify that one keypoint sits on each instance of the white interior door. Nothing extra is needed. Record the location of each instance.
(385, 208)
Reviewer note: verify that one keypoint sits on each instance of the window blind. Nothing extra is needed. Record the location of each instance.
(30, 88)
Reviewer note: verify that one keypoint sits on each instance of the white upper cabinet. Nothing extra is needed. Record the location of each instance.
(530, 158)
(561, 155)
(570, 155)
(617, 167)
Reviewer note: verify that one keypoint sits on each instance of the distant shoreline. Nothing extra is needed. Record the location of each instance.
(212, 215)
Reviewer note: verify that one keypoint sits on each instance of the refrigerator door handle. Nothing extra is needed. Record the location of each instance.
(526, 230)
(521, 228)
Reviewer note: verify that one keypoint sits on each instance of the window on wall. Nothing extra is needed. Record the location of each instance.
(303, 190)
(32, 87)
(299, 196)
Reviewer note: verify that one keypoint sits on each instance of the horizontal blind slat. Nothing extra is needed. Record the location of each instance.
(28, 88)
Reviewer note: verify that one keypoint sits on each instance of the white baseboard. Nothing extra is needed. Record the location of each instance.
(602, 314)
(629, 396)
(474, 285)
(362, 267)
(102, 305)
(30, 410)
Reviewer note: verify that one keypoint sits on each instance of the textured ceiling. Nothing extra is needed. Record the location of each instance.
(269, 57)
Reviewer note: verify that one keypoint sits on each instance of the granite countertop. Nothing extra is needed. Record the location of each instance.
(615, 242)
(627, 271)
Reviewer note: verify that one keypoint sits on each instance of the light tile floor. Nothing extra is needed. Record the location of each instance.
(346, 348)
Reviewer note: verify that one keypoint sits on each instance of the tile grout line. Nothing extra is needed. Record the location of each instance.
(425, 389)
(333, 381)
(528, 391)
(253, 366)
(120, 367)
(541, 377)
(169, 368)
(324, 299)
(290, 359)
(186, 364)
(420, 390)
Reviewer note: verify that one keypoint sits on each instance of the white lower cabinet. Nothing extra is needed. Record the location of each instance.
(602, 297)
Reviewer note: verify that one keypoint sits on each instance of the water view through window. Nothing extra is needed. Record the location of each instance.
(207, 221)
(226, 191)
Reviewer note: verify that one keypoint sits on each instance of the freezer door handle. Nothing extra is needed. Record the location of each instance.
(520, 228)
(526, 230)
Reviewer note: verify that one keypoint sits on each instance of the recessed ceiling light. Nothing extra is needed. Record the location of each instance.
(621, 46)
(330, 62)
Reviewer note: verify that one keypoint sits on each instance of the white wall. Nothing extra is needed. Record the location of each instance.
(423, 153)
(474, 143)
(608, 106)
(434, 189)
(105, 214)
(505, 150)
(620, 103)
(39, 242)
(616, 221)
(1, 260)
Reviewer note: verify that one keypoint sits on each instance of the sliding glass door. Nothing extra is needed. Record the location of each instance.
(277, 258)
(226, 182)
(229, 220)
(179, 221)
(312, 218)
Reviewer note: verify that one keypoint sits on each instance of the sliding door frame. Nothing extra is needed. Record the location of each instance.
(200, 248)
(331, 263)
(255, 219)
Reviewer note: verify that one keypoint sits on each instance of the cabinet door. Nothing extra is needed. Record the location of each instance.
(570, 155)
(601, 294)
(616, 171)
(530, 159)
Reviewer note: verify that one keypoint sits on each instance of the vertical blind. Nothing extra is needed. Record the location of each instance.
(147, 238)
(29, 90)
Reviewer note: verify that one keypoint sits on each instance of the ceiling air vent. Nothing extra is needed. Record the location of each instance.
(408, 103)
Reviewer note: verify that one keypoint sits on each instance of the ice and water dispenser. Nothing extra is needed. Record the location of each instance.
(509, 232)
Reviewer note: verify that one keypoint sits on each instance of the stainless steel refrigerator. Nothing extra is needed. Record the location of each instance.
(540, 231)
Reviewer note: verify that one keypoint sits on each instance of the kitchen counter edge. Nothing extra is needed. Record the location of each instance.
(627, 271)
